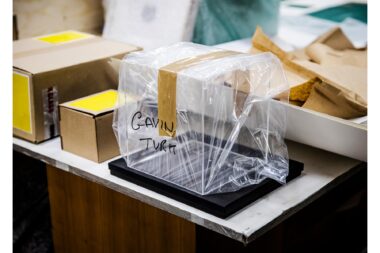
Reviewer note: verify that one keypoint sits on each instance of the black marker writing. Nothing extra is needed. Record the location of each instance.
(150, 122)
(159, 145)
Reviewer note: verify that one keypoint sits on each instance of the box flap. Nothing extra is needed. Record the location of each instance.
(98, 103)
(95, 104)
(54, 40)
(50, 52)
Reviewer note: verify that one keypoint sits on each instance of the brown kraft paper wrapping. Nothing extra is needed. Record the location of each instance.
(328, 76)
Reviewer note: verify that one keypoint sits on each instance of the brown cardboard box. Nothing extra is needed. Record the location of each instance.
(57, 68)
(86, 126)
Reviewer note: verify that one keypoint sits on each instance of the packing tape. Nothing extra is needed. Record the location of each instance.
(167, 83)
(56, 47)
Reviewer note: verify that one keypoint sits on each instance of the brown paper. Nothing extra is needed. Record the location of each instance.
(329, 69)
(167, 79)
(335, 39)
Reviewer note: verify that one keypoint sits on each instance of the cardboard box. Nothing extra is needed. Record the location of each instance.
(54, 69)
(86, 126)
(326, 132)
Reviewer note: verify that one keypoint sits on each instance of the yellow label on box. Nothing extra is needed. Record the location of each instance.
(97, 103)
(63, 37)
(21, 103)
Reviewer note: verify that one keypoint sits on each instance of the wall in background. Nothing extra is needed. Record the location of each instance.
(38, 17)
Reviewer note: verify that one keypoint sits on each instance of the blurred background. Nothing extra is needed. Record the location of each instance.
(152, 24)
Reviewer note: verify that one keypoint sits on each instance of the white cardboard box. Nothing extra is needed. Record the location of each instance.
(150, 22)
(326, 132)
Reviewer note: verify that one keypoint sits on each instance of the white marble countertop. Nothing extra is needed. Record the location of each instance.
(322, 171)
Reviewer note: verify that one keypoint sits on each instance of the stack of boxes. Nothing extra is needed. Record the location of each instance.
(58, 68)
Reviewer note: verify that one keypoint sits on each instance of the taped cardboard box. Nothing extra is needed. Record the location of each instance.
(56, 68)
(86, 126)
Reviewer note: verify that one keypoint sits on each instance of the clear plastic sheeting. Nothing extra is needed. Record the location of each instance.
(227, 131)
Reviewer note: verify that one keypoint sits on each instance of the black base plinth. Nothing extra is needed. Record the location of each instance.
(221, 205)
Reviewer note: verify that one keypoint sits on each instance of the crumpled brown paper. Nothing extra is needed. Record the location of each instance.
(328, 76)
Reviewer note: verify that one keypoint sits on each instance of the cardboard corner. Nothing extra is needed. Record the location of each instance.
(107, 145)
(78, 133)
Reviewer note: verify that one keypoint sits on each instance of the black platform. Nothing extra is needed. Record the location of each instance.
(221, 205)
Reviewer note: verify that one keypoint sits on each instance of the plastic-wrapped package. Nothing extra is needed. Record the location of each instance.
(194, 108)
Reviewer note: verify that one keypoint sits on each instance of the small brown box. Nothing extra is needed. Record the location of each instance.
(86, 126)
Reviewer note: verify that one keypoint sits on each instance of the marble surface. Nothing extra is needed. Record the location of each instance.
(323, 170)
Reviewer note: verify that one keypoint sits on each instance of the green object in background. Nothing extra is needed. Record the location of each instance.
(221, 21)
(341, 12)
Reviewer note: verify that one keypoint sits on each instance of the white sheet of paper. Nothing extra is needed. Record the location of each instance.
(150, 23)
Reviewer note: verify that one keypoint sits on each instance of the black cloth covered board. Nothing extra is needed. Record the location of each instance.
(221, 205)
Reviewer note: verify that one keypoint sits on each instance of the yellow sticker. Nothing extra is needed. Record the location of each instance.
(63, 37)
(21, 103)
(97, 103)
